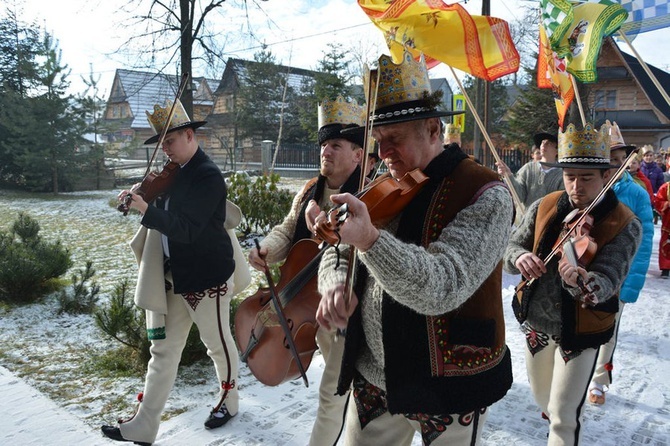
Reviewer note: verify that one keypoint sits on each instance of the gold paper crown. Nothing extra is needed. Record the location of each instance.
(403, 82)
(340, 111)
(584, 147)
(159, 117)
(616, 140)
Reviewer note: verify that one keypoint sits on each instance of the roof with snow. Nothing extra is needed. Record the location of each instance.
(142, 90)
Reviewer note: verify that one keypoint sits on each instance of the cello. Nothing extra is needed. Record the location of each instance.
(260, 337)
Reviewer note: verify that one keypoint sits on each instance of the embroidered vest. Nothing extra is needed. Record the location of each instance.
(456, 362)
(580, 327)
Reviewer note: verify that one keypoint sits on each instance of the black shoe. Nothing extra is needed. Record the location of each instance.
(665, 273)
(218, 418)
(115, 434)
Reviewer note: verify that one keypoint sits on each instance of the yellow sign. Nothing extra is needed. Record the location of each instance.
(459, 104)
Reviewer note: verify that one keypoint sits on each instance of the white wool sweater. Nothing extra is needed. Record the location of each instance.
(432, 280)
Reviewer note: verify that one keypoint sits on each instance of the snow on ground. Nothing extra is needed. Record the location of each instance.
(637, 410)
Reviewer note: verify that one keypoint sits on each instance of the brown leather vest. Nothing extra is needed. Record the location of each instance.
(596, 322)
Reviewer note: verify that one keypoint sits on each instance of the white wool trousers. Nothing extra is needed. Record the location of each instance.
(560, 389)
(211, 315)
(602, 376)
(331, 411)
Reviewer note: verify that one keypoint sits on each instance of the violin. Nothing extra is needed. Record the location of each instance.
(385, 197)
(579, 249)
(153, 185)
(576, 223)
(156, 183)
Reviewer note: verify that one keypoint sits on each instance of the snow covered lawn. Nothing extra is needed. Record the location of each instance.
(53, 395)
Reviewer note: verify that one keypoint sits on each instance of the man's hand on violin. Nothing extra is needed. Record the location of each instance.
(530, 266)
(136, 201)
(335, 308)
(257, 259)
(311, 212)
(571, 274)
(357, 229)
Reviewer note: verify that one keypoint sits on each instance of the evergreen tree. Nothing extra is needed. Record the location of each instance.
(498, 103)
(260, 98)
(40, 129)
(534, 111)
(332, 80)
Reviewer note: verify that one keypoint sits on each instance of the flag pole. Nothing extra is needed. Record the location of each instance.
(646, 68)
(506, 178)
(579, 99)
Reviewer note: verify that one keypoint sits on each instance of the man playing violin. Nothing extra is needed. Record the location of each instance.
(424, 344)
(183, 241)
(339, 172)
(568, 309)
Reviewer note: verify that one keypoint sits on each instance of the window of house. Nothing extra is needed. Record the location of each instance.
(606, 100)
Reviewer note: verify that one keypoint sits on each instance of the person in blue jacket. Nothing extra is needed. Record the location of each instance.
(637, 199)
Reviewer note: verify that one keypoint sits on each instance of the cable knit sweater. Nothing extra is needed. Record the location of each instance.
(429, 281)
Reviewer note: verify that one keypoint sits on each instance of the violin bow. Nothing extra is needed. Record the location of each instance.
(373, 82)
(613, 179)
(282, 319)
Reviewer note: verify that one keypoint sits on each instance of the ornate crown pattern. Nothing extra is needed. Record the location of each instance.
(588, 145)
(403, 82)
(340, 111)
(158, 118)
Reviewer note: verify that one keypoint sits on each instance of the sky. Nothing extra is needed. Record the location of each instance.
(297, 32)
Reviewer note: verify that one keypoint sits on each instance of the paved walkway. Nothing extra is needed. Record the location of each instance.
(27, 417)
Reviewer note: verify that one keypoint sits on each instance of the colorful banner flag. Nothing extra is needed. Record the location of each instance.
(479, 45)
(645, 15)
(551, 74)
(579, 41)
(458, 104)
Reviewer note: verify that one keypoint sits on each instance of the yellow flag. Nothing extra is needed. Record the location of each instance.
(551, 73)
(479, 45)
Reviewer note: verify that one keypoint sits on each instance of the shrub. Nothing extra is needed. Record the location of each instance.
(263, 204)
(29, 266)
(82, 300)
(126, 323)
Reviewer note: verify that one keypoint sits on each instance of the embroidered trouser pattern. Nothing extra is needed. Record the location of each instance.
(370, 423)
(166, 354)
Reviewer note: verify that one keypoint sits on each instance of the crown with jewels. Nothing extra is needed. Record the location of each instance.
(337, 115)
(340, 111)
(159, 118)
(403, 91)
(586, 148)
(403, 82)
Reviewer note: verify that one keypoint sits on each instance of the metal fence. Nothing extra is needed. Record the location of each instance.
(303, 156)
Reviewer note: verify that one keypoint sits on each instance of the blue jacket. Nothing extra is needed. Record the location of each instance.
(637, 199)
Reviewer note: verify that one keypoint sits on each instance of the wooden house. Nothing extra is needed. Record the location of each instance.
(626, 94)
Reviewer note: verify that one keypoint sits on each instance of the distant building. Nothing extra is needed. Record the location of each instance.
(214, 101)
(626, 94)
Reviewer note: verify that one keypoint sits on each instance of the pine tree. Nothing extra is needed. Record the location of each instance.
(533, 112)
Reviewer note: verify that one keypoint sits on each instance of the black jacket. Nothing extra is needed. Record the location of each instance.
(201, 253)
